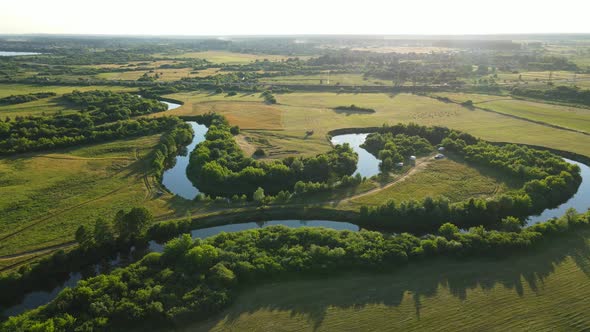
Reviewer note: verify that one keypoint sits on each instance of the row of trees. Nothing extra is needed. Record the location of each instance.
(193, 279)
(44, 133)
(562, 93)
(170, 143)
(219, 166)
(20, 99)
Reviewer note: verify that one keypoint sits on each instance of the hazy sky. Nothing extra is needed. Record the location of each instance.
(229, 17)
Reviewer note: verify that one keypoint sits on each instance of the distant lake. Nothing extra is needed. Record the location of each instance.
(6, 53)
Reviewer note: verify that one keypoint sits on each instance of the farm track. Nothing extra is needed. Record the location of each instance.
(420, 165)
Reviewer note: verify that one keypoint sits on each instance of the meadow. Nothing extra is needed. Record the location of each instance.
(564, 116)
(283, 126)
(450, 178)
(166, 75)
(326, 79)
(46, 196)
(541, 290)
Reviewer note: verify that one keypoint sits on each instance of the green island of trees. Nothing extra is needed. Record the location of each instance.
(220, 167)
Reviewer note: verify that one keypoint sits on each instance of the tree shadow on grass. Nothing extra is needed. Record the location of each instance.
(312, 297)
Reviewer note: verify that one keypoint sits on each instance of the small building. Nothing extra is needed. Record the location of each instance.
(413, 158)
(399, 164)
(439, 156)
(441, 149)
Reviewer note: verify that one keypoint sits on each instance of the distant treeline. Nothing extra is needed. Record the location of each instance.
(561, 93)
(20, 99)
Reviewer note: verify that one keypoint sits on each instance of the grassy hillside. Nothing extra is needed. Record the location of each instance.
(538, 291)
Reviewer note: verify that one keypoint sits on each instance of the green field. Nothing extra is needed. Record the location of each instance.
(46, 196)
(283, 125)
(441, 178)
(543, 290)
(564, 116)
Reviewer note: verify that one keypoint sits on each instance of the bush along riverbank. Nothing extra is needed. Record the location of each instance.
(193, 279)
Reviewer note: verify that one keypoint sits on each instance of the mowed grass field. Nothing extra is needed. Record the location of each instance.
(544, 289)
(228, 57)
(284, 125)
(46, 105)
(46, 196)
(564, 116)
(448, 178)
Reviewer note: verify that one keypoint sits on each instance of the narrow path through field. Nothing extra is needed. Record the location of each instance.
(421, 163)
(38, 251)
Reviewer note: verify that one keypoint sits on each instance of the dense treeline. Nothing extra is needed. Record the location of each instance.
(104, 116)
(220, 167)
(391, 149)
(170, 143)
(548, 181)
(44, 133)
(108, 106)
(20, 99)
(193, 279)
(562, 93)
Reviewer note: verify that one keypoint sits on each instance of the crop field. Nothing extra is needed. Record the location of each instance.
(300, 112)
(448, 178)
(564, 116)
(227, 57)
(46, 196)
(544, 289)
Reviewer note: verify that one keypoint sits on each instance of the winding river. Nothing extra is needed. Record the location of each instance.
(176, 181)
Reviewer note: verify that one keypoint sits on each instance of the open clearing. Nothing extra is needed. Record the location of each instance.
(544, 289)
(166, 75)
(447, 178)
(326, 79)
(300, 112)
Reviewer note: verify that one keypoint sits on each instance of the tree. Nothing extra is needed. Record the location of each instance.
(134, 222)
(84, 237)
(103, 231)
(511, 224)
(448, 230)
(258, 195)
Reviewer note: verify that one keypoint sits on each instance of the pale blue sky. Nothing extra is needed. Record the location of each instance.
(227, 17)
